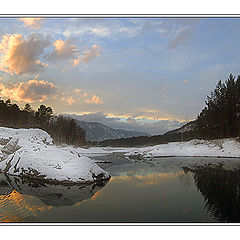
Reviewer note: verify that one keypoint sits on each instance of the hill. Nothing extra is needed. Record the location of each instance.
(96, 131)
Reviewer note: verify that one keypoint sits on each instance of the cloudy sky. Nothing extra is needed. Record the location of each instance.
(146, 74)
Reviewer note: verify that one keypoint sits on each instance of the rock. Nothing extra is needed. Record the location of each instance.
(31, 153)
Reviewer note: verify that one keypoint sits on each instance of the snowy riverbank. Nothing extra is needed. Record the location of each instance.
(31, 153)
(193, 148)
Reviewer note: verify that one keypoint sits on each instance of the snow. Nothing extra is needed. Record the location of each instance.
(99, 151)
(193, 148)
(89, 152)
(31, 152)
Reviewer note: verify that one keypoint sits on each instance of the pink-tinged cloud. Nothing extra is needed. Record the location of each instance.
(31, 91)
(69, 100)
(34, 23)
(88, 55)
(95, 100)
(186, 81)
(21, 55)
(63, 50)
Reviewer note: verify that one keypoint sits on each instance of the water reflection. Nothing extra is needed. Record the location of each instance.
(221, 191)
(156, 191)
(21, 199)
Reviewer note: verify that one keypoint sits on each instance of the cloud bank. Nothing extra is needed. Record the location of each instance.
(20, 55)
(31, 91)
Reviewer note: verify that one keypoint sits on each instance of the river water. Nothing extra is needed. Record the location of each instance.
(138, 192)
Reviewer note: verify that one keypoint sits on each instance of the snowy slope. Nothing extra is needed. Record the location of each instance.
(193, 148)
(31, 153)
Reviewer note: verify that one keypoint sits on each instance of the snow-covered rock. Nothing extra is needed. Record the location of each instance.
(193, 148)
(31, 153)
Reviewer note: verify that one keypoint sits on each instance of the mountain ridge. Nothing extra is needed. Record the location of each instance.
(96, 131)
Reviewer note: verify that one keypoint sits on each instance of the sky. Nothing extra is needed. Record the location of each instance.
(142, 74)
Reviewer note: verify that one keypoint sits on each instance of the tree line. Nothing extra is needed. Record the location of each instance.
(221, 116)
(62, 129)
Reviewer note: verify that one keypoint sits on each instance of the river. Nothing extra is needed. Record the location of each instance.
(138, 192)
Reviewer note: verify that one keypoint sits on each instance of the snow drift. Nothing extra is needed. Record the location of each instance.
(193, 148)
(31, 153)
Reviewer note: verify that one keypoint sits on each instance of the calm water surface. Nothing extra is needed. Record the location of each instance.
(143, 191)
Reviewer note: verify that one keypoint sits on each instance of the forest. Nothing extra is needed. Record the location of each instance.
(220, 118)
(61, 129)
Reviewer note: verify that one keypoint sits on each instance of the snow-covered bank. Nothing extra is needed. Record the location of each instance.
(193, 148)
(31, 153)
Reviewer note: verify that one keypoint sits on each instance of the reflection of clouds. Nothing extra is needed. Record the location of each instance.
(96, 195)
(149, 179)
(23, 200)
(16, 207)
(134, 178)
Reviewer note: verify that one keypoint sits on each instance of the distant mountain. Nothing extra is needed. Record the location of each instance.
(184, 133)
(96, 131)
